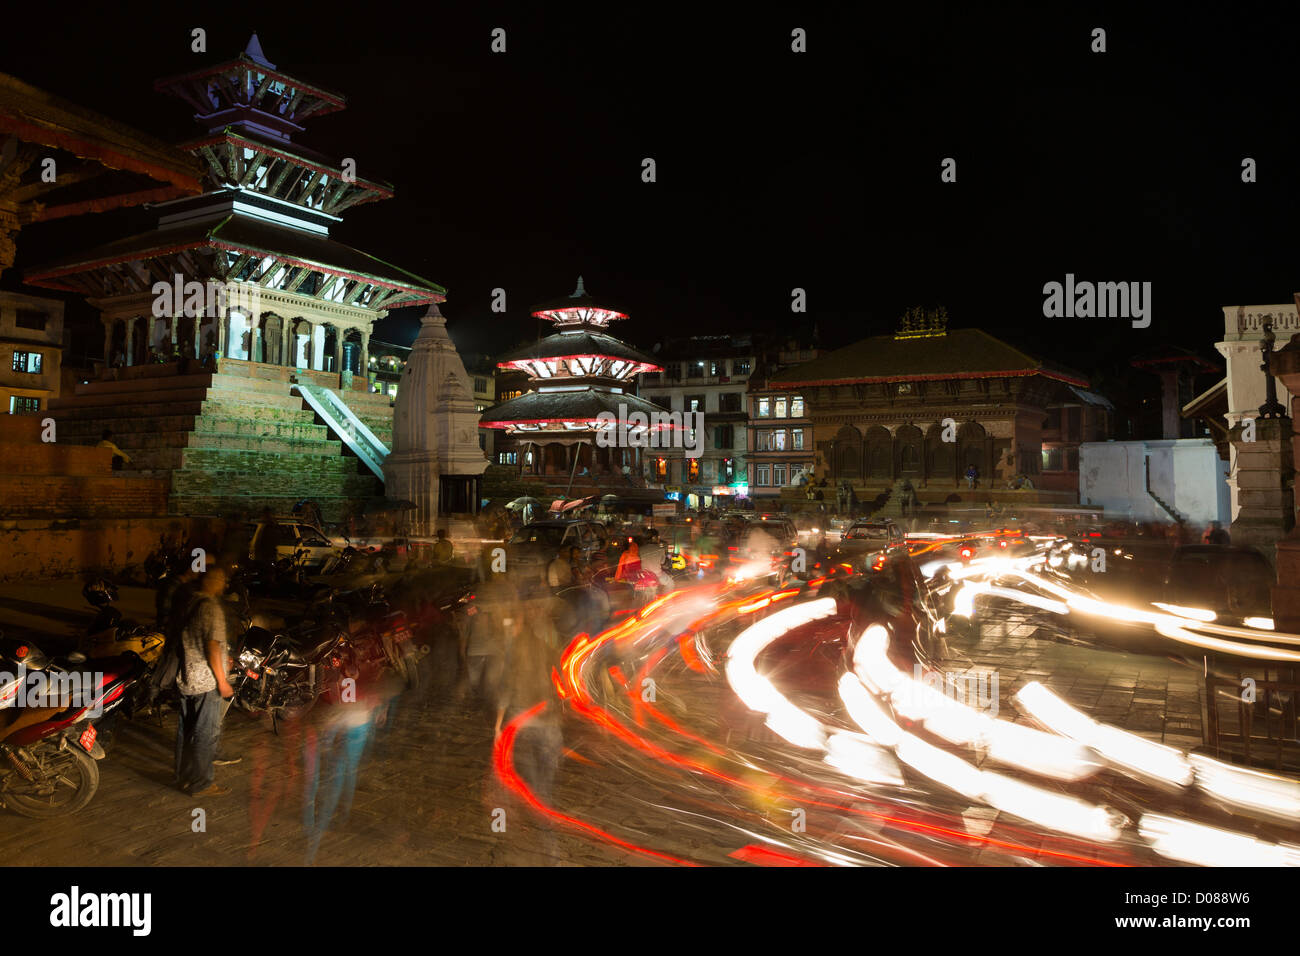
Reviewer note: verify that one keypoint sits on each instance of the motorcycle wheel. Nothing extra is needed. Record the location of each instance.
(74, 777)
(408, 668)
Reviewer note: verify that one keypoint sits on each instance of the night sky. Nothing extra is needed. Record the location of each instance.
(775, 170)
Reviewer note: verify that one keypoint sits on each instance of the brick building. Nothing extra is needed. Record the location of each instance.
(923, 405)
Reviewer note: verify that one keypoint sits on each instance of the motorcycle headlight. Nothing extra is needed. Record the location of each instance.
(249, 658)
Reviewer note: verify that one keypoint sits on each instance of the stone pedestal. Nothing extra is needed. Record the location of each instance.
(1264, 468)
(1285, 366)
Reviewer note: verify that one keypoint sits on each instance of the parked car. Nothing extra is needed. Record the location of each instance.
(535, 545)
(867, 541)
(294, 536)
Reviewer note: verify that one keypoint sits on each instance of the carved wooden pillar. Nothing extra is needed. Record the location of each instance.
(129, 349)
(108, 341)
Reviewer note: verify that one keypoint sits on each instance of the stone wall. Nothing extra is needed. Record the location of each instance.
(36, 549)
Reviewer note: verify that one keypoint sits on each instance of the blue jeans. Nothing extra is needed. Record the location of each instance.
(198, 732)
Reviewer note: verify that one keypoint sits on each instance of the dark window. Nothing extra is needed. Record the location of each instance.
(663, 401)
(740, 367)
(1072, 426)
(30, 319)
(729, 402)
(723, 437)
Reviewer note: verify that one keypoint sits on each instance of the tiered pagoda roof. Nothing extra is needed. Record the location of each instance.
(269, 205)
(578, 372)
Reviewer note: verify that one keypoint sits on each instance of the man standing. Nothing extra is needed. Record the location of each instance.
(202, 684)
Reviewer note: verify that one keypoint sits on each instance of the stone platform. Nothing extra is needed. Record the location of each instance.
(237, 439)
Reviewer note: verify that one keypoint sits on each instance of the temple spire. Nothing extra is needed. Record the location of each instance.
(580, 291)
(254, 52)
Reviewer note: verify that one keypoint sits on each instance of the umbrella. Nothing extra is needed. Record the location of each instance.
(522, 503)
(575, 504)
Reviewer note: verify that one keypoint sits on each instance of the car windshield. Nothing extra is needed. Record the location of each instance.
(864, 532)
(549, 536)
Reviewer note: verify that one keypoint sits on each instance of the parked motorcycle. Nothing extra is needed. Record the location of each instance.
(284, 674)
(48, 753)
(380, 636)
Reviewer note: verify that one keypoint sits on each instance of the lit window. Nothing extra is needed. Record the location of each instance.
(780, 407)
(764, 408)
(29, 362)
(796, 407)
(740, 367)
(796, 439)
(18, 404)
(778, 439)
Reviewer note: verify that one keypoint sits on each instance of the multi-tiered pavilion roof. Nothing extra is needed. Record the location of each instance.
(577, 373)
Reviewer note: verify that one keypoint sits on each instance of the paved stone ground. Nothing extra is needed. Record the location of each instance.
(1155, 697)
(424, 790)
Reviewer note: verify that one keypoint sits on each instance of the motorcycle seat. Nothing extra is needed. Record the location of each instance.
(310, 648)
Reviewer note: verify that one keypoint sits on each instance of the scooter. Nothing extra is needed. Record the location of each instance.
(48, 744)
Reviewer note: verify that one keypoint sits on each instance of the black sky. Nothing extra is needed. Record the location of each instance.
(775, 170)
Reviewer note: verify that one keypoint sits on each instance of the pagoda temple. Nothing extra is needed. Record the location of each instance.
(236, 331)
(576, 375)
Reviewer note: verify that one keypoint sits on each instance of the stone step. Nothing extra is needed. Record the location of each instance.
(150, 397)
(133, 385)
(295, 413)
(253, 463)
(123, 410)
(333, 507)
(210, 484)
(92, 427)
(268, 445)
(307, 431)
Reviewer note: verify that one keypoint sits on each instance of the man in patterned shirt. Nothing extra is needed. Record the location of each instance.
(202, 683)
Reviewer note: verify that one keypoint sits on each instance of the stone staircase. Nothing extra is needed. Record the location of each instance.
(235, 440)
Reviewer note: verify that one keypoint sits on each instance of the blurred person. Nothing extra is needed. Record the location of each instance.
(203, 684)
(442, 549)
(175, 592)
(559, 572)
(120, 457)
(1215, 534)
(629, 564)
(531, 654)
(267, 540)
(492, 618)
